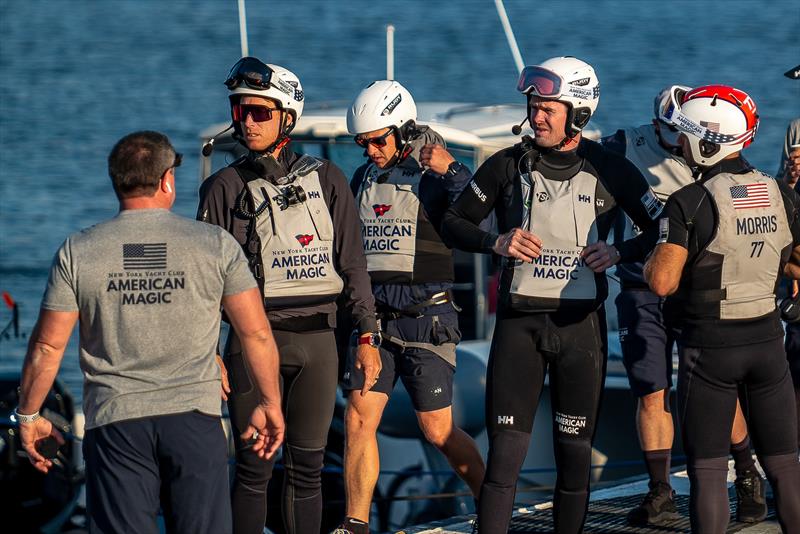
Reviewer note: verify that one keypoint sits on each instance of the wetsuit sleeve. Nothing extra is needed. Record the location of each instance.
(215, 206)
(460, 225)
(615, 143)
(634, 195)
(351, 264)
(674, 226)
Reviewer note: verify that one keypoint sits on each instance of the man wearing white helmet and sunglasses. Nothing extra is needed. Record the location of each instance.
(725, 241)
(295, 219)
(556, 197)
(647, 339)
(402, 193)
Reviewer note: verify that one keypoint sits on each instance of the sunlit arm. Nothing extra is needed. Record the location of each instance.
(45, 350)
(663, 270)
(792, 268)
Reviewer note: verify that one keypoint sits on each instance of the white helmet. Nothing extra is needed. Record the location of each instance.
(564, 79)
(665, 101)
(250, 76)
(717, 120)
(381, 104)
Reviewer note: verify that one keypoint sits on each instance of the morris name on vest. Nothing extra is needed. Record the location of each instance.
(149, 290)
(756, 225)
(558, 264)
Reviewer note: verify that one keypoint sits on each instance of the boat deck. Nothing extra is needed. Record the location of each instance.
(607, 510)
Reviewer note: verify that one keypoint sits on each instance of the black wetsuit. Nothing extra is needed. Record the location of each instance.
(717, 357)
(308, 356)
(568, 337)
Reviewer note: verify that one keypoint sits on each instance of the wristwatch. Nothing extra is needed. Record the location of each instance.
(26, 418)
(370, 338)
(453, 169)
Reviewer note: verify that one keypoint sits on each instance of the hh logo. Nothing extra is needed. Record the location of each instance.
(313, 194)
(304, 239)
(381, 209)
(585, 198)
(542, 196)
(505, 419)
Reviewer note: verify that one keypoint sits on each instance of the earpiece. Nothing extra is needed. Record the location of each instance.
(169, 187)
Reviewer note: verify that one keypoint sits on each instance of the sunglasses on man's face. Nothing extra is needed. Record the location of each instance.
(256, 112)
(379, 141)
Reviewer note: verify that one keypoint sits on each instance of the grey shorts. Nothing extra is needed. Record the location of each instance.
(427, 377)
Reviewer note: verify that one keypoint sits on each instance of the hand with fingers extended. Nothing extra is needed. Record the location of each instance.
(600, 256)
(226, 385)
(368, 359)
(519, 244)
(267, 428)
(32, 434)
(436, 158)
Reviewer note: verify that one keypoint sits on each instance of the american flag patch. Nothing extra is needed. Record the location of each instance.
(750, 196)
(144, 256)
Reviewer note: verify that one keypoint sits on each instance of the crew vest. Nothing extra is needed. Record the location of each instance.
(562, 214)
(664, 172)
(297, 253)
(744, 258)
(393, 223)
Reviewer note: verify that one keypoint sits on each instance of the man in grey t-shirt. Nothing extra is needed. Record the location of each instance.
(147, 287)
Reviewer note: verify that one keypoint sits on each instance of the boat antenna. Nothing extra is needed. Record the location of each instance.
(390, 52)
(243, 29)
(512, 41)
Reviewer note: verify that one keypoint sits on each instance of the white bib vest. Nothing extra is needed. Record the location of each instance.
(752, 231)
(664, 172)
(296, 242)
(388, 213)
(562, 214)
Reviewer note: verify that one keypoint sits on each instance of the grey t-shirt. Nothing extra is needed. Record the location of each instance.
(792, 138)
(148, 285)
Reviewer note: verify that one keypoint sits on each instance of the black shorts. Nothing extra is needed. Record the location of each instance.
(646, 341)
(427, 377)
(179, 462)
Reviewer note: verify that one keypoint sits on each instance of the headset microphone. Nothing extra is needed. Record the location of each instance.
(517, 128)
(208, 148)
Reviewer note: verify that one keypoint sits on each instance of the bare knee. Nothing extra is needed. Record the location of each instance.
(362, 418)
(437, 427)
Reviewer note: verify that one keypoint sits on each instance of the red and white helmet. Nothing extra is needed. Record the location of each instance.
(717, 120)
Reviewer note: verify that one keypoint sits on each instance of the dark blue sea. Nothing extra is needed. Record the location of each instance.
(77, 75)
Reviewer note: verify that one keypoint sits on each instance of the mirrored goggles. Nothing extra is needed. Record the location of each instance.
(239, 112)
(251, 72)
(540, 82)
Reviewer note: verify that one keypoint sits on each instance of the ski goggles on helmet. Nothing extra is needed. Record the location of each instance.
(251, 72)
(378, 141)
(708, 131)
(239, 112)
(541, 82)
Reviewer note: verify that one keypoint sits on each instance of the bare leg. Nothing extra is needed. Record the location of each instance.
(459, 449)
(739, 430)
(654, 421)
(361, 459)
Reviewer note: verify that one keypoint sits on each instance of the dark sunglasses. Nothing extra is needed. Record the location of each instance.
(250, 72)
(258, 113)
(379, 141)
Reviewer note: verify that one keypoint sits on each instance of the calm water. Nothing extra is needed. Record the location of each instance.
(75, 76)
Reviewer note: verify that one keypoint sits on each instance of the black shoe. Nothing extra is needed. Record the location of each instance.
(657, 507)
(751, 504)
